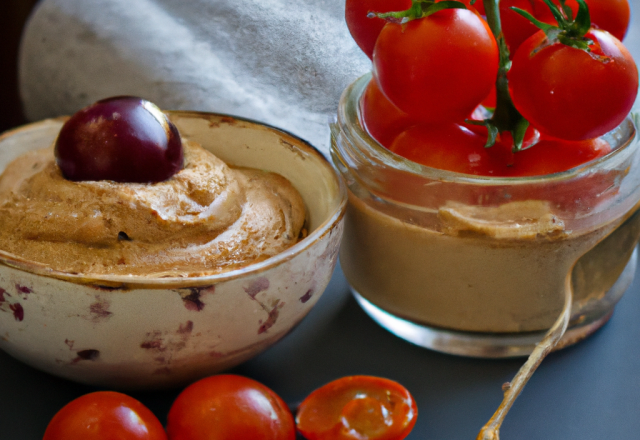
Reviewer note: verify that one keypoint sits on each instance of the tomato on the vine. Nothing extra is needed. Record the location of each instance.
(357, 408)
(515, 27)
(550, 156)
(364, 29)
(449, 146)
(437, 68)
(382, 120)
(572, 94)
(105, 415)
(229, 407)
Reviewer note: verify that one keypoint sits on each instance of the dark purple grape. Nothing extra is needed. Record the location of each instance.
(124, 139)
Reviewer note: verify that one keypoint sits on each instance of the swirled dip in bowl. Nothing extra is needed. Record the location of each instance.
(206, 219)
(179, 308)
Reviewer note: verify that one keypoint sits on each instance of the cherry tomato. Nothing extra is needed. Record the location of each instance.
(105, 415)
(365, 30)
(570, 94)
(382, 120)
(478, 6)
(437, 68)
(448, 147)
(357, 408)
(515, 27)
(554, 155)
(610, 15)
(229, 407)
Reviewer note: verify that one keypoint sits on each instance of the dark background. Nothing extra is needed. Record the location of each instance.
(13, 15)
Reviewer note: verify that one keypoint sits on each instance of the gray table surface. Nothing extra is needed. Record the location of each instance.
(588, 391)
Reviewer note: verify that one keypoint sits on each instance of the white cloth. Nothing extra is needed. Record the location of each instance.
(282, 62)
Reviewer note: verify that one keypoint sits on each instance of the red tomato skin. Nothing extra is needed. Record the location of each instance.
(438, 68)
(568, 94)
(612, 16)
(365, 30)
(105, 415)
(448, 147)
(478, 5)
(322, 414)
(382, 120)
(229, 407)
(550, 156)
(515, 27)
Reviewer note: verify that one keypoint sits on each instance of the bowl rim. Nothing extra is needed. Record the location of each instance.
(128, 282)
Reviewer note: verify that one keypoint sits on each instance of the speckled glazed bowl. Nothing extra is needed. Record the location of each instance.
(132, 332)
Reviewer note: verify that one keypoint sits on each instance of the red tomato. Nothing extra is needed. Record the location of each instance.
(610, 15)
(437, 68)
(515, 27)
(105, 415)
(553, 156)
(491, 99)
(358, 408)
(382, 120)
(478, 5)
(570, 94)
(448, 147)
(365, 30)
(229, 407)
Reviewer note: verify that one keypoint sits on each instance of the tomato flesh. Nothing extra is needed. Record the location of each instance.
(229, 407)
(357, 408)
(105, 415)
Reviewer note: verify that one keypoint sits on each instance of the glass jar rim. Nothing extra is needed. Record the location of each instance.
(349, 120)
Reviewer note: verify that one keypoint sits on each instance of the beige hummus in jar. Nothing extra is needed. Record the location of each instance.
(206, 219)
(484, 269)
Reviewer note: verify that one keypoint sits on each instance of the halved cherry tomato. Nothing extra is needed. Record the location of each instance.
(572, 94)
(357, 408)
(105, 415)
(382, 120)
(437, 68)
(229, 407)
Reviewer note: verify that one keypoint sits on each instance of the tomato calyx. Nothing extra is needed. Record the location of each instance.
(493, 131)
(569, 31)
(419, 9)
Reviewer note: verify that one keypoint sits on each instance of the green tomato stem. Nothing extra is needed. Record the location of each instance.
(505, 116)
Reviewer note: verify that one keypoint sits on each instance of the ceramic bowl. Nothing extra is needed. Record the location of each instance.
(131, 332)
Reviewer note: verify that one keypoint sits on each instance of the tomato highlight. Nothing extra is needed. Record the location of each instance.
(229, 407)
(105, 415)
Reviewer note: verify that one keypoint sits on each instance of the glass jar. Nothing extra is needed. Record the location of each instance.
(478, 266)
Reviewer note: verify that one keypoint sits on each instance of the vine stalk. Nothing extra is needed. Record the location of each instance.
(505, 116)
